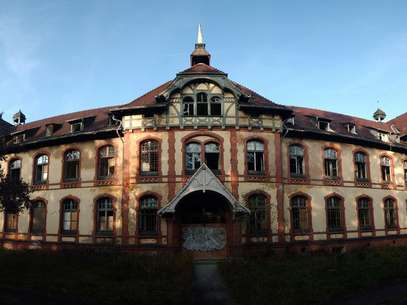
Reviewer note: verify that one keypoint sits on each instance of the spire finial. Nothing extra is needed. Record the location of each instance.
(199, 39)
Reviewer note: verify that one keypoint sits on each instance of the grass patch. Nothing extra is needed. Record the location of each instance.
(311, 279)
(89, 277)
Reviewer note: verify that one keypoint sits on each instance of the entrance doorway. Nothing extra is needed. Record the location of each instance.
(204, 219)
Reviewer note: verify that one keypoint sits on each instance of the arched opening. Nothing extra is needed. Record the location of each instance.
(202, 208)
(204, 220)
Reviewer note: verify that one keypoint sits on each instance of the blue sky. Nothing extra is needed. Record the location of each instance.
(63, 56)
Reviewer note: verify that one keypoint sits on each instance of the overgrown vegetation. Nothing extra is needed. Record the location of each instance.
(312, 279)
(89, 277)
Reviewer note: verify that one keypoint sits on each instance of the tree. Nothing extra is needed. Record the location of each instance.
(14, 194)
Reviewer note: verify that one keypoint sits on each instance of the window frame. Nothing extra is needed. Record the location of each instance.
(36, 166)
(307, 211)
(6, 228)
(304, 161)
(370, 211)
(331, 161)
(384, 175)
(76, 210)
(31, 223)
(97, 231)
(146, 213)
(9, 169)
(150, 154)
(366, 165)
(340, 209)
(264, 171)
(65, 166)
(396, 214)
(255, 212)
(100, 159)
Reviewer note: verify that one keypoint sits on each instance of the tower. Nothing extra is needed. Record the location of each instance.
(200, 55)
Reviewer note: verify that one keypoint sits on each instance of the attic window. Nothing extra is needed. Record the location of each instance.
(324, 125)
(76, 126)
(49, 130)
(19, 138)
(352, 128)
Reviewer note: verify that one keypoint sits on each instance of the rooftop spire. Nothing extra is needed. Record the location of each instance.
(199, 39)
(200, 55)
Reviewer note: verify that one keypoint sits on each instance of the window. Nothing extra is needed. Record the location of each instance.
(352, 128)
(331, 163)
(41, 170)
(49, 130)
(296, 160)
(71, 165)
(76, 126)
(149, 157)
(70, 216)
(300, 214)
(212, 155)
(334, 215)
(385, 169)
(405, 172)
(324, 125)
(255, 157)
(257, 220)
(365, 214)
(216, 105)
(10, 221)
(148, 215)
(104, 215)
(38, 217)
(390, 213)
(188, 106)
(193, 156)
(361, 166)
(106, 162)
(20, 138)
(15, 170)
(201, 104)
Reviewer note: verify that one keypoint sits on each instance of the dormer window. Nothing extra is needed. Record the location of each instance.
(19, 138)
(76, 126)
(324, 125)
(202, 104)
(49, 130)
(351, 128)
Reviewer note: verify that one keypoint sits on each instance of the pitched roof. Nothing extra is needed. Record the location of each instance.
(201, 68)
(5, 127)
(148, 98)
(400, 122)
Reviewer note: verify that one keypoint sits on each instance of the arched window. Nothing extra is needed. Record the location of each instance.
(216, 106)
(361, 166)
(148, 215)
(390, 214)
(255, 157)
(201, 104)
(38, 217)
(257, 220)
(212, 155)
(334, 214)
(104, 215)
(405, 172)
(106, 162)
(10, 221)
(331, 163)
(296, 160)
(149, 157)
(41, 169)
(385, 169)
(71, 165)
(14, 170)
(193, 156)
(365, 214)
(188, 106)
(300, 214)
(70, 217)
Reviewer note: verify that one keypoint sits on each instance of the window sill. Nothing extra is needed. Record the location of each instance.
(148, 174)
(69, 233)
